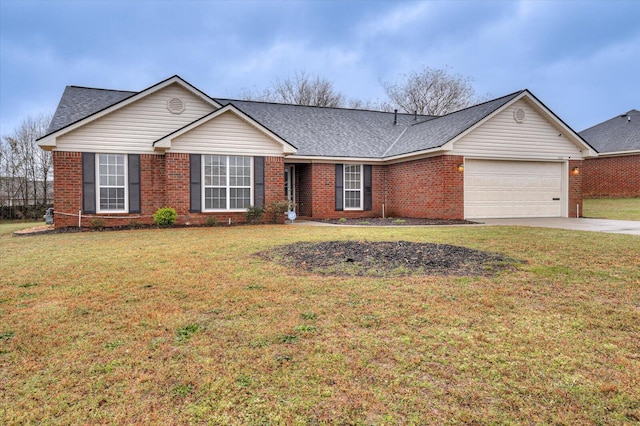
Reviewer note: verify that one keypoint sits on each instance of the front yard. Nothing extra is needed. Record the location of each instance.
(612, 208)
(190, 326)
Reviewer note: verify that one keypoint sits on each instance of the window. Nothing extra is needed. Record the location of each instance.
(227, 182)
(352, 187)
(112, 183)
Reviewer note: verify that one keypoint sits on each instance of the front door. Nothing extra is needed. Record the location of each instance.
(290, 185)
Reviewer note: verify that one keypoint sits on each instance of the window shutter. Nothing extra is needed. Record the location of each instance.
(339, 187)
(195, 183)
(258, 181)
(368, 193)
(133, 162)
(88, 182)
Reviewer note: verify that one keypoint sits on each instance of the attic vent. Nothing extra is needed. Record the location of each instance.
(519, 115)
(175, 105)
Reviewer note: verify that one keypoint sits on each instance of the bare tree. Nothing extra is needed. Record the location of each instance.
(27, 169)
(301, 89)
(430, 92)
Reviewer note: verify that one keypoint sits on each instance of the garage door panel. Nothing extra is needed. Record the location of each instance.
(512, 189)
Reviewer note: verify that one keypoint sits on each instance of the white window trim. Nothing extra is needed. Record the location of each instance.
(228, 198)
(126, 184)
(344, 188)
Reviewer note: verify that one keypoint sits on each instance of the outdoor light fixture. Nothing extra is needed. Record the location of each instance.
(575, 171)
(460, 167)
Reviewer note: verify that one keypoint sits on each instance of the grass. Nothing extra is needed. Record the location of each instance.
(612, 208)
(186, 326)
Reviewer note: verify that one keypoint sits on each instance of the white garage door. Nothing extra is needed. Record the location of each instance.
(504, 189)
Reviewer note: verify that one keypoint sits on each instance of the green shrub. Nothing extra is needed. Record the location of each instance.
(165, 217)
(342, 220)
(254, 214)
(211, 221)
(276, 211)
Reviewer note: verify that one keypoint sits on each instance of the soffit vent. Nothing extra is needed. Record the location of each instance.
(520, 115)
(175, 105)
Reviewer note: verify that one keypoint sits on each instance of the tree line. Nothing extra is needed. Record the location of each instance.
(429, 91)
(26, 171)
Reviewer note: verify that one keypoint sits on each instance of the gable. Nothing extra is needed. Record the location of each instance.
(226, 134)
(535, 137)
(134, 127)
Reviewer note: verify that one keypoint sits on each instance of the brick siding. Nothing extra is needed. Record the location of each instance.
(611, 177)
(428, 188)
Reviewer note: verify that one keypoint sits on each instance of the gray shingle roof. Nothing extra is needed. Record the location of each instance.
(80, 102)
(619, 134)
(329, 132)
(315, 131)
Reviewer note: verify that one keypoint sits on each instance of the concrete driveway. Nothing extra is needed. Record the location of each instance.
(630, 227)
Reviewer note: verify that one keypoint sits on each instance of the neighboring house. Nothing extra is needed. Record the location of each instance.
(12, 192)
(122, 155)
(616, 170)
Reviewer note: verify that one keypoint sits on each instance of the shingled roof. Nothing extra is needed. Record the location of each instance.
(315, 131)
(619, 134)
(80, 102)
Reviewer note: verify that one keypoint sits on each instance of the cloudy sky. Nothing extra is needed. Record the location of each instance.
(581, 58)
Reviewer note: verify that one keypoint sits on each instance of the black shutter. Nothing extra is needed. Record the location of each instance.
(133, 162)
(88, 182)
(258, 181)
(368, 193)
(339, 187)
(195, 183)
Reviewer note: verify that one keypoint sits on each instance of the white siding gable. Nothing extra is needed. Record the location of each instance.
(134, 128)
(502, 137)
(226, 134)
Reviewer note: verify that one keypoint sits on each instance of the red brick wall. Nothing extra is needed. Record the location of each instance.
(427, 188)
(575, 188)
(152, 185)
(67, 187)
(323, 187)
(611, 176)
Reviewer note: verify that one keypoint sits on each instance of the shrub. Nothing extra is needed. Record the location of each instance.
(97, 223)
(211, 221)
(276, 211)
(342, 220)
(165, 217)
(135, 224)
(254, 214)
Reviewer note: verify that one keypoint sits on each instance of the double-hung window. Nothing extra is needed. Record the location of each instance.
(112, 183)
(352, 187)
(227, 182)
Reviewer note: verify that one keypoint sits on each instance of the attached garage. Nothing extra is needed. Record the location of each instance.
(502, 189)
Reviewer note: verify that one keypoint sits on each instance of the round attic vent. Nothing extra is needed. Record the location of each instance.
(519, 115)
(175, 105)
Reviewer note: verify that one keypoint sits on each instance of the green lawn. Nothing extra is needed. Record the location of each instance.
(612, 208)
(183, 326)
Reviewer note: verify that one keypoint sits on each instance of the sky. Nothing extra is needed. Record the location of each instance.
(580, 58)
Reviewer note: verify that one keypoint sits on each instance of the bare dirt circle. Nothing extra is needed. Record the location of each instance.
(389, 259)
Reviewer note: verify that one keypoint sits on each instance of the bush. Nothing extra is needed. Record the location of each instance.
(97, 222)
(135, 224)
(211, 221)
(276, 211)
(165, 217)
(254, 214)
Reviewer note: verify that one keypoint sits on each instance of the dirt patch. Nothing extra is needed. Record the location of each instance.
(378, 221)
(385, 259)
